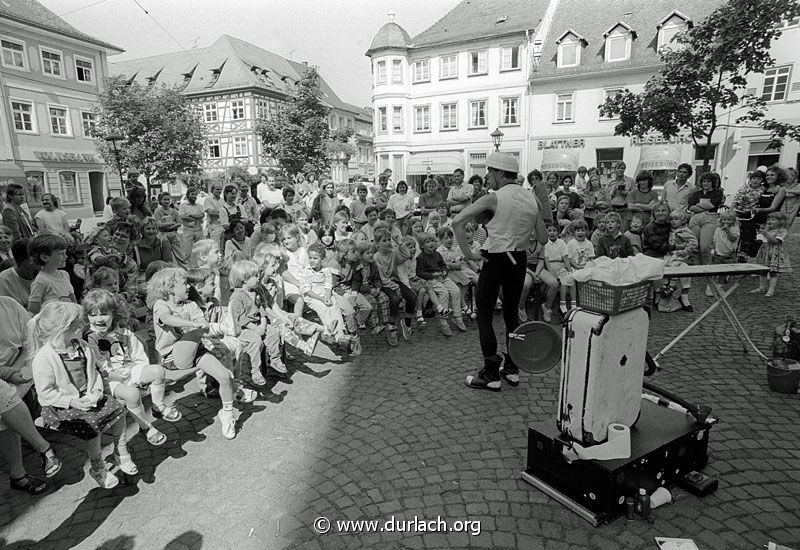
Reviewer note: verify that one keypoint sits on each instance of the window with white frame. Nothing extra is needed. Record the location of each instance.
(509, 109)
(618, 46)
(89, 122)
(397, 119)
(380, 77)
(670, 28)
(84, 70)
(422, 70)
(23, 113)
(383, 122)
(776, 81)
(51, 63)
(448, 66)
(477, 62)
(569, 52)
(239, 146)
(564, 106)
(609, 93)
(68, 187)
(237, 109)
(210, 112)
(509, 58)
(422, 118)
(477, 113)
(14, 54)
(397, 71)
(213, 148)
(449, 116)
(59, 121)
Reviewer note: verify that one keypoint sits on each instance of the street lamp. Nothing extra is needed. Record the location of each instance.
(497, 138)
(113, 139)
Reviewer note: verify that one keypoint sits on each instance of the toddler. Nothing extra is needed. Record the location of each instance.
(49, 252)
(683, 245)
(457, 269)
(443, 292)
(67, 380)
(434, 223)
(579, 252)
(556, 260)
(725, 243)
(772, 253)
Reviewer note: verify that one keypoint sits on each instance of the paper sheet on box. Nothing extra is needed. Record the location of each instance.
(667, 543)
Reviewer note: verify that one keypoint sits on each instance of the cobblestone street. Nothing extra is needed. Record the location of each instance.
(396, 434)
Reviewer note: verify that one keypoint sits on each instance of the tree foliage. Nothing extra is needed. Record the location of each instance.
(704, 77)
(162, 133)
(296, 138)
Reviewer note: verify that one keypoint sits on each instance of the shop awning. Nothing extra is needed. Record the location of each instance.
(560, 161)
(659, 157)
(437, 162)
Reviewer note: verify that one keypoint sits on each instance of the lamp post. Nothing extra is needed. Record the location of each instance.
(497, 138)
(113, 139)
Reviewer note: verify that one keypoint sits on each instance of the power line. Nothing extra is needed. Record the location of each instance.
(161, 27)
(83, 8)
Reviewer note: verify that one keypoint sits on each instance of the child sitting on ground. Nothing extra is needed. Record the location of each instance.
(444, 293)
(556, 261)
(579, 252)
(349, 259)
(634, 233)
(457, 270)
(49, 252)
(247, 320)
(386, 258)
(123, 362)
(613, 244)
(367, 283)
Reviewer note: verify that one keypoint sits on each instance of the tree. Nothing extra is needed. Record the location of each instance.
(297, 136)
(704, 78)
(162, 134)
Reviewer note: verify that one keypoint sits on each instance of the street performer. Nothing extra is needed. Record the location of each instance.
(515, 217)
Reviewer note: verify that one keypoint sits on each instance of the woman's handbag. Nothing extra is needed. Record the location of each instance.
(84, 424)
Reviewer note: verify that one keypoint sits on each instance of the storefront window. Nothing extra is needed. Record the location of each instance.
(606, 159)
(34, 189)
(68, 187)
(761, 155)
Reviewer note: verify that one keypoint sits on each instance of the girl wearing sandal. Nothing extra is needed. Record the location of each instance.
(123, 363)
(67, 379)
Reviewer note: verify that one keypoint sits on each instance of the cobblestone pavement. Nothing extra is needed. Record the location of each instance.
(396, 433)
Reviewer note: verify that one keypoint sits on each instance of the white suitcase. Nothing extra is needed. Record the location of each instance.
(602, 371)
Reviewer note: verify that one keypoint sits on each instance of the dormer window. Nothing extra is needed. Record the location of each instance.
(671, 25)
(618, 42)
(570, 45)
(215, 76)
(151, 80)
(187, 77)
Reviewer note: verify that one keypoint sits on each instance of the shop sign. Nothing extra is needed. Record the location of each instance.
(658, 139)
(571, 143)
(51, 156)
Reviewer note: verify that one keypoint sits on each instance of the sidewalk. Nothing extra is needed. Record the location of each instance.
(396, 434)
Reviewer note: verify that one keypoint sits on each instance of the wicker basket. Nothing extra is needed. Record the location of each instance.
(602, 297)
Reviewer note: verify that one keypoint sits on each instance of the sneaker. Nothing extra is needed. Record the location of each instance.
(228, 423)
(509, 371)
(445, 328)
(546, 315)
(483, 381)
(523, 316)
(104, 478)
(459, 323)
(391, 336)
(709, 292)
(405, 329)
(377, 330)
(246, 395)
(355, 346)
(257, 378)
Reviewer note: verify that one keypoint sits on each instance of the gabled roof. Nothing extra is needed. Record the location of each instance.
(591, 19)
(620, 24)
(239, 64)
(671, 15)
(568, 32)
(30, 12)
(474, 20)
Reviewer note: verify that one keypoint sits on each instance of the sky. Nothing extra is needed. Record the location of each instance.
(332, 34)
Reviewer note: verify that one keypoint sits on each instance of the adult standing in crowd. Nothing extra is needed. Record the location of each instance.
(15, 217)
(566, 191)
(677, 192)
(542, 194)
(325, 204)
(642, 198)
(460, 194)
(704, 204)
(137, 197)
(515, 217)
(192, 216)
(478, 189)
(15, 282)
(791, 204)
(429, 200)
(772, 195)
(268, 195)
(248, 206)
(402, 202)
(617, 193)
(213, 210)
(51, 220)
